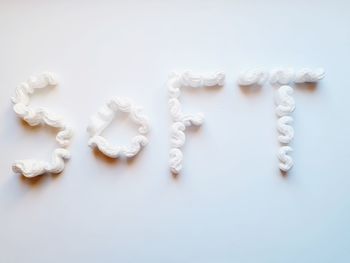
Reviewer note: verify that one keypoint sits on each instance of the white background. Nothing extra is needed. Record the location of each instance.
(230, 204)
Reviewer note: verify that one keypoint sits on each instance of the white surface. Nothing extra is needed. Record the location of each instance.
(230, 204)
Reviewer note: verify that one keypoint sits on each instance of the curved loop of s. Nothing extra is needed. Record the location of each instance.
(37, 116)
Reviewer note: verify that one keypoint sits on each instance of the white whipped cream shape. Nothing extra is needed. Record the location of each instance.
(102, 119)
(285, 106)
(286, 161)
(252, 77)
(307, 75)
(31, 167)
(282, 76)
(180, 120)
(37, 116)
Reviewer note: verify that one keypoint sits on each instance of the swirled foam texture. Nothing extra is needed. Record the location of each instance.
(285, 105)
(102, 119)
(252, 77)
(37, 116)
(180, 120)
